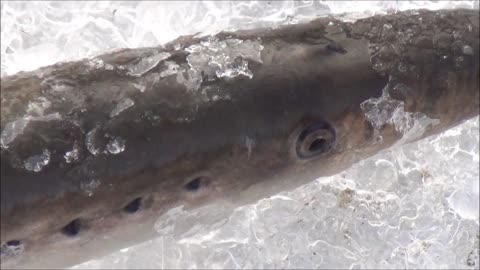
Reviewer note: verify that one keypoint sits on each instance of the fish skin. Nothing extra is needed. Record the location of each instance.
(313, 75)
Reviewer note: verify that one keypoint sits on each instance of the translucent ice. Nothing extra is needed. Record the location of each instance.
(146, 64)
(121, 106)
(73, 155)
(226, 58)
(116, 146)
(37, 162)
(16, 128)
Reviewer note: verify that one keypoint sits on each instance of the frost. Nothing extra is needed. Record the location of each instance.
(37, 162)
(146, 64)
(116, 146)
(121, 106)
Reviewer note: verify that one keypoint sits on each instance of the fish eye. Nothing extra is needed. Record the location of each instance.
(315, 139)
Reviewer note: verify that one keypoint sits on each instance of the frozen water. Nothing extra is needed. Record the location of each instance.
(11, 130)
(414, 206)
(73, 155)
(383, 110)
(90, 142)
(37, 162)
(116, 146)
(146, 64)
(121, 106)
(226, 58)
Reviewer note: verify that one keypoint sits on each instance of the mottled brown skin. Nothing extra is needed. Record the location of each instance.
(311, 73)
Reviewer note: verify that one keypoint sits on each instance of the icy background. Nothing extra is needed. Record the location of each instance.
(415, 206)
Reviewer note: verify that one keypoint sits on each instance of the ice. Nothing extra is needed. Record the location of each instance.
(414, 206)
(15, 128)
(386, 110)
(37, 162)
(11, 131)
(90, 142)
(73, 155)
(226, 58)
(116, 146)
(121, 106)
(146, 64)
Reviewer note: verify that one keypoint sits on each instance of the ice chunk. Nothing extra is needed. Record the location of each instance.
(225, 58)
(386, 110)
(73, 155)
(90, 142)
(37, 162)
(13, 129)
(146, 64)
(121, 106)
(116, 146)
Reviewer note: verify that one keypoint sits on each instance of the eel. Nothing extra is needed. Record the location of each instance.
(94, 151)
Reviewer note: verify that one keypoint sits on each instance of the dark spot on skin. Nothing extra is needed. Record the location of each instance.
(72, 228)
(194, 185)
(133, 206)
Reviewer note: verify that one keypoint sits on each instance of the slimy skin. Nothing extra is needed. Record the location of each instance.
(94, 151)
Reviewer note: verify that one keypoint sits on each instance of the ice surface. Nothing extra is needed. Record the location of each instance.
(414, 206)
